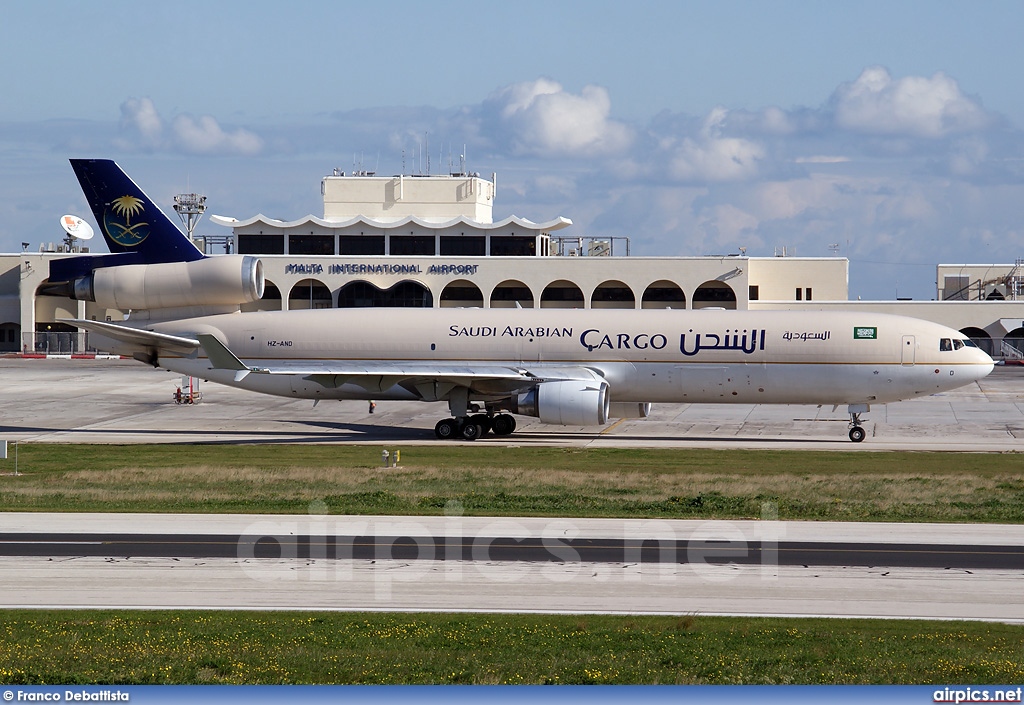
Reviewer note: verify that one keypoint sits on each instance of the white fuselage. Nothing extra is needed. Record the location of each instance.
(666, 355)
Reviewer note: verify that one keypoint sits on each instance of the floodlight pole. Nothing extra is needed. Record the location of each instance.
(190, 208)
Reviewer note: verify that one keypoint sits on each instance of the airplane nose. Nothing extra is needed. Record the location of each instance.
(985, 364)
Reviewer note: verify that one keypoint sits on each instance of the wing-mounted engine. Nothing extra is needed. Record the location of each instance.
(569, 403)
(227, 280)
(629, 410)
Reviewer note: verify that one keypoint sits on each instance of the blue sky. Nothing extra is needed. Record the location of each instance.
(892, 130)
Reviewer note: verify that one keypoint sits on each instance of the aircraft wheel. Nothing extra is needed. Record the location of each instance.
(857, 434)
(503, 424)
(446, 429)
(471, 431)
(482, 421)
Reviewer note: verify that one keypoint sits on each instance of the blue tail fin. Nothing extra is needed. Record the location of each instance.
(129, 220)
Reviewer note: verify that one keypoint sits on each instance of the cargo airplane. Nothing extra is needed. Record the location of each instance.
(575, 367)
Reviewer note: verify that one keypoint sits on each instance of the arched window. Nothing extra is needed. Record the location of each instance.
(613, 294)
(462, 294)
(409, 295)
(561, 294)
(363, 294)
(663, 294)
(714, 294)
(360, 295)
(309, 293)
(510, 293)
(1015, 339)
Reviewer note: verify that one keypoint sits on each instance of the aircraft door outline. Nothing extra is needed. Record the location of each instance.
(908, 351)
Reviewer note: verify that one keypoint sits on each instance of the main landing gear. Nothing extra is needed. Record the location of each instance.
(469, 428)
(857, 432)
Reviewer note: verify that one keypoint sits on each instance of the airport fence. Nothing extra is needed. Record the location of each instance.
(57, 343)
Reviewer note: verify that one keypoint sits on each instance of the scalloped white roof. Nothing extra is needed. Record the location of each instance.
(556, 224)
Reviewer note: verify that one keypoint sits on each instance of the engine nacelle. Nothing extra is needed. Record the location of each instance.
(211, 281)
(568, 403)
(629, 410)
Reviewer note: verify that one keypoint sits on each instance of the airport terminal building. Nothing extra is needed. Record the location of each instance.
(431, 241)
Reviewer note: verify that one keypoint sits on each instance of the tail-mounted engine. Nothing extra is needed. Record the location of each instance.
(211, 281)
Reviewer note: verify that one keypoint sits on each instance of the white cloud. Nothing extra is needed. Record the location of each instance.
(778, 121)
(540, 117)
(912, 106)
(967, 155)
(734, 226)
(204, 135)
(143, 128)
(548, 186)
(520, 97)
(885, 168)
(786, 200)
(139, 115)
(822, 159)
(712, 157)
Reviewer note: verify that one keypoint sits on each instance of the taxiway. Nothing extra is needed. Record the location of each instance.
(123, 401)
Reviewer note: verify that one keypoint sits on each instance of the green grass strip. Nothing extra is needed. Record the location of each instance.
(486, 480)
(140, 647)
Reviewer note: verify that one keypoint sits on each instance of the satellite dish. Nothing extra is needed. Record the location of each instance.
(76, 227)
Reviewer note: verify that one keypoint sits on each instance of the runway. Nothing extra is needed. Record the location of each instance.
(513, 565)
(514, 550)
(123, 401)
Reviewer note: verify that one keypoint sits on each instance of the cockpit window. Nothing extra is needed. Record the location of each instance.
(957, 344)
(945, 344)
(969, 343)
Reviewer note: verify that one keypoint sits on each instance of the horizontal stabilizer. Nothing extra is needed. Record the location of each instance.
(221, 357)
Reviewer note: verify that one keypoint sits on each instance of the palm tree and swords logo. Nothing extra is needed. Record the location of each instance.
(118, 221)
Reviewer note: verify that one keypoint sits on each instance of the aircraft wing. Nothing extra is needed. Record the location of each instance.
(429, 380)
(143, 340)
